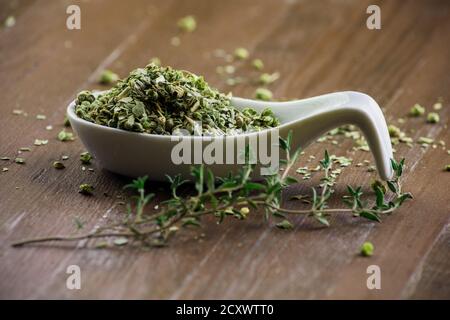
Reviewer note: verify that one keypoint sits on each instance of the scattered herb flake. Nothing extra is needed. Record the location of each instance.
(263, 94)
(85, 157)
(417, 110)
(10, 21)
(120, 241)
(241, 53)
(367, 249)
(433, 117)
(19, 160)
(41, 117)
(86, 189)
(425, 140)
(58, 165)
(285, 224)
(39, 142)
(64, 135)
(187, 24)
(108, 77)
(258, 64)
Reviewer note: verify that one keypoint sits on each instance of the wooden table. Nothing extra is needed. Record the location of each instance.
(318, 47)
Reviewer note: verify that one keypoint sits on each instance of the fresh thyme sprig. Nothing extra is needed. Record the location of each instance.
(233, 196)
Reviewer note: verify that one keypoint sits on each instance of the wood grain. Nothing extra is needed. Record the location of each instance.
(318, 47)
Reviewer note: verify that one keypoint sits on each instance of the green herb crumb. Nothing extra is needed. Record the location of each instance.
(263, 94)
(258, 64)
(108, 77)
(433, 117)
(187, 24)
(241, 53)
(367, 249)
(85, 157)
(417, 110)
(267, 78)
(120, 241)
(58, 165)
(86, 189)
(19, 160)
(63, 135)
(285, 224)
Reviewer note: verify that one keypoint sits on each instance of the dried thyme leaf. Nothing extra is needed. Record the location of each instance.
(19, 160)
(447, 168)
(433, 117)
(58, 165)
(120, 241)
(65, 136)
(241, 53)
(263, 94)
(5, 158)
(367, 249)
(417, 110)
(161, 100)
(10, 22)
(108, 77)
(85, 157)
(258, 64)
(285, 224)
(39, 142)
(267, 78)
(86, 189)
(41, 117)
(187, 24)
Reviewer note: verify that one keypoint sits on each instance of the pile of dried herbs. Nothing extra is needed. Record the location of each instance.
(162, 100)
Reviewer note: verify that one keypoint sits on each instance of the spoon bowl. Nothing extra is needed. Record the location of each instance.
(137, 154)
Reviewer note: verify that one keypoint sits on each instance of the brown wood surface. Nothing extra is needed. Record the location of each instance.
(318, 47)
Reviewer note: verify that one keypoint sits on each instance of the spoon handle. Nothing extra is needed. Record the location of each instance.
(311, 118)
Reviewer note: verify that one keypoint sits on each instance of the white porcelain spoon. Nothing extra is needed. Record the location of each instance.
(136, 154)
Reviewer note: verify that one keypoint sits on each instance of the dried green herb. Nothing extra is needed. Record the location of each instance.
(447, 168)
(433, 117)
(367, 249)
(58, 165)
(39, 142)
(108, 77)
(187, 24)
(5, 158)
(161, 100)
(41, 117)
(258, 64)
(417, 110)
(5, 169)
(267, 78)
(85, 157)
(19, 160)
(10, 22)
(66, 121)
(65, 136)
(86, 189)
(263, 94)
(241, 53)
